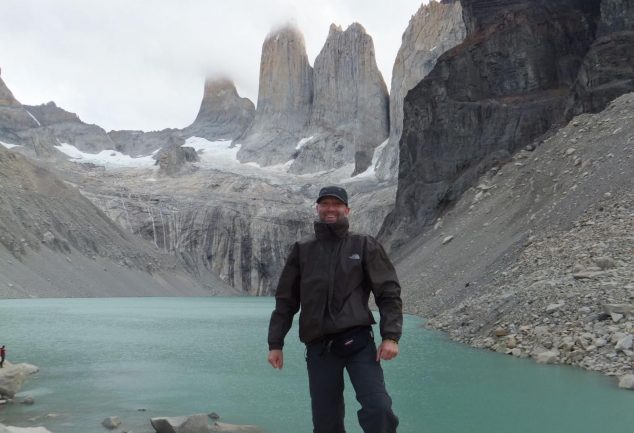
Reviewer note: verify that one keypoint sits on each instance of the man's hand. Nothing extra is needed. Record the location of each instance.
(276, 358)
(387, 350)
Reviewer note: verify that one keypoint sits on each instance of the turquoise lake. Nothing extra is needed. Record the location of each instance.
(180, 356)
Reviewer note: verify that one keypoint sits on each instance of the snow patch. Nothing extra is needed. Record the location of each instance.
(9, 145)
(33, 117)
(302, 142)
(107, 158)
(370, 172)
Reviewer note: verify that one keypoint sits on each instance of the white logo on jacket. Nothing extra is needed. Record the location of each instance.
(355, 256)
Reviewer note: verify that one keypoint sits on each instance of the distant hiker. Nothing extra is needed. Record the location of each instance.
(330, 276)
(3, 353)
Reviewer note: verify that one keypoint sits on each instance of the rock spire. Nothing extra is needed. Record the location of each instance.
(284, 99)
(223, 113)
(350, 107)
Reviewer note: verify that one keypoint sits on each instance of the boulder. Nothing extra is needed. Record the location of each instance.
(181, 424)
(624, 343)
(175, 160)
(112, 422)
(627, 381)
(547, 357)
(12, 377)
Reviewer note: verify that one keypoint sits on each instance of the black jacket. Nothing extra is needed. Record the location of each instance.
(330, 276)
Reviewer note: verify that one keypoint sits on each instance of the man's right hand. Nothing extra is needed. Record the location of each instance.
(276, 358)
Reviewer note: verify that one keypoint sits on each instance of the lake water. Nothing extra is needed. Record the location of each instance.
(178, 356)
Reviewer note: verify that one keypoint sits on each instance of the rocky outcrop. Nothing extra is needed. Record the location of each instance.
(174, 160)
(506, 84)
(139, 143)
(434, 29)
(13, 116)
(608, 68)
(12, 376)
(350, 115)
(223, 114)
(284, 100)
(49, 114)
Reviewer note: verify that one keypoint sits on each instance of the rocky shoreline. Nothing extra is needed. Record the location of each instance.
(569, 298)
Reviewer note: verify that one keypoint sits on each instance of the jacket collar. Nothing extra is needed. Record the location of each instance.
(336, 230)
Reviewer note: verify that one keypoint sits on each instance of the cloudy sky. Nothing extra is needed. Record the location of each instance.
(141, 64)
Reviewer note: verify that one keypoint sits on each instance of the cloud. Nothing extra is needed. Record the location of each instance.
(141, 64)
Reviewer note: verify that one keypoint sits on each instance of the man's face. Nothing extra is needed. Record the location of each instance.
(331, 210)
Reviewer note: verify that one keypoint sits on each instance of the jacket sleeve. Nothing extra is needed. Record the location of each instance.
(286, 300)
(381, 276)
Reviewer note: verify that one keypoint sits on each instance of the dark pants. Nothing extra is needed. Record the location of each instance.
(325, 376)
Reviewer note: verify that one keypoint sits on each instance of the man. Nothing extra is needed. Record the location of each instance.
(3, 353)
(330, 276)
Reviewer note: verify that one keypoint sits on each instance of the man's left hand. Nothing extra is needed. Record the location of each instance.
(387, 350)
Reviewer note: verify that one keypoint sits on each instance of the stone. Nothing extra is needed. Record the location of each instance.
(446, 240)
(501, 332)
(28, 400)
(181, 424)
(233, 428)
(547, 357)
(112, 422)
(604, 262)
(618, 308)
(624, 343)
(616, 317)
(626, 381)
(551, 308)
(587, 275)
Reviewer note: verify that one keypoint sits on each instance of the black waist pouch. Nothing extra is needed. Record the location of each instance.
(351, 341)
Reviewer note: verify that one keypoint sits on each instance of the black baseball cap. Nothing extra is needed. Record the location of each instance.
(333, 191)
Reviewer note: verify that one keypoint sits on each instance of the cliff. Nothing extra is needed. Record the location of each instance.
(506, 84)
(435, 28)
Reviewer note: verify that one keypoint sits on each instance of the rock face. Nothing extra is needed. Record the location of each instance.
(219, 225)
(504, 85)
(350, 106)
(55, 242)
(608, 68)
(434, 29)
(67, 128)
(13, 116)
(284, 100)
(223, 114)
